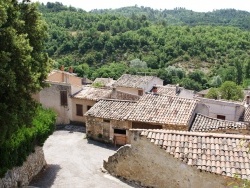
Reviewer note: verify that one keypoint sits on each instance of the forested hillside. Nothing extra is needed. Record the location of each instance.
(168, 43)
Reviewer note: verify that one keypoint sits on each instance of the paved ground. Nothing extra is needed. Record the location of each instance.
(75, 162)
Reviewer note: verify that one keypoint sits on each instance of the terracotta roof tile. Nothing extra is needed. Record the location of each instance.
(213, 153)
(204, 123)
(91, 93)
(133, 81)
(104, 81)
(247, 114)
(111, 109)
(163, 109)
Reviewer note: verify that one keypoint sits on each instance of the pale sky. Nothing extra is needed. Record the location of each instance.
(195, 5)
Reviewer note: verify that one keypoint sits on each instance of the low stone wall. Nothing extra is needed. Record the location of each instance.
(21, 176)
(150, 166)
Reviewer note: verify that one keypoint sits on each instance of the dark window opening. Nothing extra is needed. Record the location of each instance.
(221, 117)
(140, 92)
(79, 111)
(64, 99)
(106, 120)
(119, 131)
(88, 107)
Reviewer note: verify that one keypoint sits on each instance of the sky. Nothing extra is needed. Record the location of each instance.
(195, 5)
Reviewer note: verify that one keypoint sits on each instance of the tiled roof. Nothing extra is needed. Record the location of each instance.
(247, 114)
(224, 154)
(133, 81)
(105, 81)
(91, 93)
(166, 90)
(163, 109)
(111, 109)
(204, 123)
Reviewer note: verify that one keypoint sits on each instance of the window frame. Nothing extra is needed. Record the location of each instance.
(79, 109)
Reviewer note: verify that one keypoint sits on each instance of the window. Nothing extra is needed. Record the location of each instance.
(221, 117)
(88, 107)
(106, 120)
(64, 98)
(119, 131)
(79, 111)
(140, 92)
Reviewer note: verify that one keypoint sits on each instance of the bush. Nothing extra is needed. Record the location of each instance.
(13, 152)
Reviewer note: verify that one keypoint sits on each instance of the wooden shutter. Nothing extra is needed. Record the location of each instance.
(79, 111)
(64, 98)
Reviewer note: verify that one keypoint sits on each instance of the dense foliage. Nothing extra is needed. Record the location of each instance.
(228, 90)
(108, 43)
(14, 150)
(23, 64)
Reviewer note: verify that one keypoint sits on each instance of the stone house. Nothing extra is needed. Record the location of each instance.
(109, 120)
(136, 84)
(83, 100)
(200, 159)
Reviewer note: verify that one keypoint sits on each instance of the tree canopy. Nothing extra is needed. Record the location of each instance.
(23, 63)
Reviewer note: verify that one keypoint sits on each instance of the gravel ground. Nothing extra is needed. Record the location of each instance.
(73, 161)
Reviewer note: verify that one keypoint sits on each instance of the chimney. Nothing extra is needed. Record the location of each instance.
(62, 68)
(70, 69)
(154, 90)
(177, 89)
(248, 99)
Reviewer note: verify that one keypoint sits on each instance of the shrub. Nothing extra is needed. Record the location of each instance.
(14, 151)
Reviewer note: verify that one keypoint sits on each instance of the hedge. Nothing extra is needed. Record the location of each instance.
(14, 151)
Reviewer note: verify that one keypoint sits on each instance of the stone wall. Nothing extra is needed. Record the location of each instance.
(151, 166)
(21, 176)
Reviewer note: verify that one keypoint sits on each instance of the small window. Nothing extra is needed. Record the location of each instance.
(64, 98)
(79, 111)
(221, 117)
(88, 107)
(140, 92)
(106, 120)
(119, 131)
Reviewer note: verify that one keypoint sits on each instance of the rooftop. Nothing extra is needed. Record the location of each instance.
(247, 114)
(133, 81)
(163, 109)
(105, 81)
(111, 109)
(166, 90)
(204, 123)
(224, 154)
(91, 93)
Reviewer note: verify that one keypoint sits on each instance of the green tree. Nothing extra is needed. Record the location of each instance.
(230, 91)
(213, 93)
(23, 63)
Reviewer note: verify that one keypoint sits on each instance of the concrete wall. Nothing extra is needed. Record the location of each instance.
(85, 103)
(212, 108)
(21, 176)
(50, 98)
(152, 166)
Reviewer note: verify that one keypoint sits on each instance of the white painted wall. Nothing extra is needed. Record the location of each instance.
(49, 97)
(212, 108)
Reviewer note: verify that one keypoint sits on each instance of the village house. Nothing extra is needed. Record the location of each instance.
(136, 84)
(221, 109)
(201, 159)
(109, 120)
(57, 96)
(83, 100)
